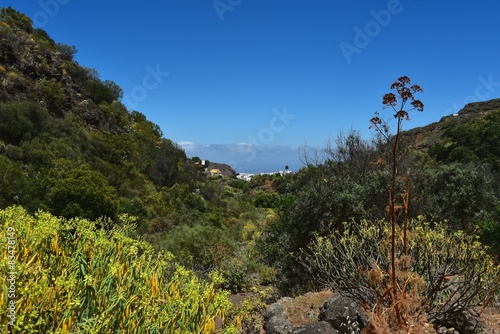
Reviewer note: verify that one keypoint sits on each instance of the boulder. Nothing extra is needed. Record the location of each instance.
(464, 322)
(343, 314)
(275, 310)
(276, 321)
(338, 315)
(278, 325)
(321, 327)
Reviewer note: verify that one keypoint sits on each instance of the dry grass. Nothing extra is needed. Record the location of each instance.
(491, 317)
(382, 323)
(304, 309)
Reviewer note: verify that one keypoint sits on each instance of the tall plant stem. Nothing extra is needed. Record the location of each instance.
(392, 209)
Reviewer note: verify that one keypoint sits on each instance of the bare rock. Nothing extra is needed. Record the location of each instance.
(343, 314)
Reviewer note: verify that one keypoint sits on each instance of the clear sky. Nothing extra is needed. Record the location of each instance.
(246, 82)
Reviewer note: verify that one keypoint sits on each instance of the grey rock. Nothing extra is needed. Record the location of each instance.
(444, 330)
(321, 327)
(465, 322)
(275, 309)
(278, 325)
(276, 321)
(339, 315)
(343, 314)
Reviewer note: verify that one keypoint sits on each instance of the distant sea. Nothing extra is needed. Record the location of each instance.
(250, 160)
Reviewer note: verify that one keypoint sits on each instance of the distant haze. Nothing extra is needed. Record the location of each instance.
(246, 158)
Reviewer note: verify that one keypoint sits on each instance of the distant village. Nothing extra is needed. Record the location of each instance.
(224, 170)
(248, 176)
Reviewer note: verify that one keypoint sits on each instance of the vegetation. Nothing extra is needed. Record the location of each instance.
(71, 277)
(443, 275)
(118, 230)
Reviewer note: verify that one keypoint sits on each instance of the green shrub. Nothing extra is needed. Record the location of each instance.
(16, 19)
(446, 273)
(78, 191)
(14, 183)
(52, 95)
(21, 120)
(199, 247)
(65, 51)
(70, 277)
(235, 273)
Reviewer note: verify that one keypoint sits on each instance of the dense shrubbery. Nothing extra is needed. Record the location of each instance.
(447, 272)
(464, 195)
(439, 273)
(70, 276)
(21, 121)
(65, 112)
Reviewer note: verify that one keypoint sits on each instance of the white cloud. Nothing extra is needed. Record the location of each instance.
(245, 157)
(187, 145)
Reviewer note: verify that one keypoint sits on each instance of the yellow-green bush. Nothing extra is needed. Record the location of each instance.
(446, 273)
(71, 277)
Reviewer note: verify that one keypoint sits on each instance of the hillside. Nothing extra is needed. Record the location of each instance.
(470, 136)
(435, 133)
(67, 143)
(224, 169)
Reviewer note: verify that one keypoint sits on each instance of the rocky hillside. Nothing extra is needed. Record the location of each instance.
(225, 169)
(436, 133)
(67, 143)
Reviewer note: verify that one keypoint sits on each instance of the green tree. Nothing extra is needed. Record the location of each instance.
(77, 191)
(458, 193)
(53, 97)
(14, 184)
(21, 120)
(65, 51)
(116, 90)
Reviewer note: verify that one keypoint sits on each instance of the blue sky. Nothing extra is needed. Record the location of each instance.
(248, 82)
